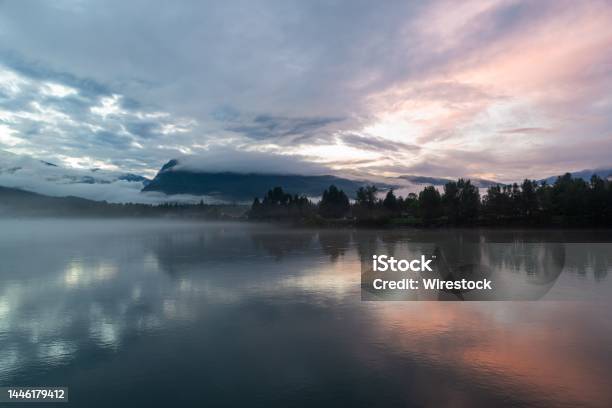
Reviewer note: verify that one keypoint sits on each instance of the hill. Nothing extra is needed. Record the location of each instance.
(16, 202)
(585, 175)
(244, 186)
(440, 181)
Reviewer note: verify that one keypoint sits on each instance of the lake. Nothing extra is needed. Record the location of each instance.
(171, 313)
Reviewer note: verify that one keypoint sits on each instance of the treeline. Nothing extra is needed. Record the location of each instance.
(567, 202)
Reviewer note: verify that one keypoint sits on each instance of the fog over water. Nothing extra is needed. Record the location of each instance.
(162, 313)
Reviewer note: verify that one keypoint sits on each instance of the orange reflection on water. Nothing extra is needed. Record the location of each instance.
(540, 350)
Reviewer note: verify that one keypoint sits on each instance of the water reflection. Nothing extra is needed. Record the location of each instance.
(149, 308)
(525, 351)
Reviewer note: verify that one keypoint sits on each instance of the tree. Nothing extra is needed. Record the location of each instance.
(495, 203)
(430, 204)
(597, 202)
(276, 196)
(391, 203)
(451, 202)
(334, 203)
(461, 201)
(366, 203)
(569, 198)
(277, 204)
(411, 204)
(366, 196)
(528, 199)
(469, 201)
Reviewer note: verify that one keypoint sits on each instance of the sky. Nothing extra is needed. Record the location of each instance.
(502, 90)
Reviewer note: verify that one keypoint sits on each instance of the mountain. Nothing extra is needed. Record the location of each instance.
(44, 177)
(440, 181)
(605, 174)
(25, 203)
(134, 178)
(173, 179)
(19, 203)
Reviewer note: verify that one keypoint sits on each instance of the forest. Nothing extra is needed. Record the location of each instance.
(566, 202)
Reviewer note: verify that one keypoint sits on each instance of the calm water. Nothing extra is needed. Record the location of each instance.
(153, 313)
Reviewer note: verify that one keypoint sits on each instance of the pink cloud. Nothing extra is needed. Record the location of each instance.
(546, 77)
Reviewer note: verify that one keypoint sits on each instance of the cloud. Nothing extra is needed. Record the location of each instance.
(58, 122)
(472, 88)
(376, 143)
(225, 159)
(29, 174)
(525, 130)
(266, 127)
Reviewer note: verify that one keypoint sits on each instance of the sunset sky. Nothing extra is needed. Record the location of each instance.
(494, 89)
